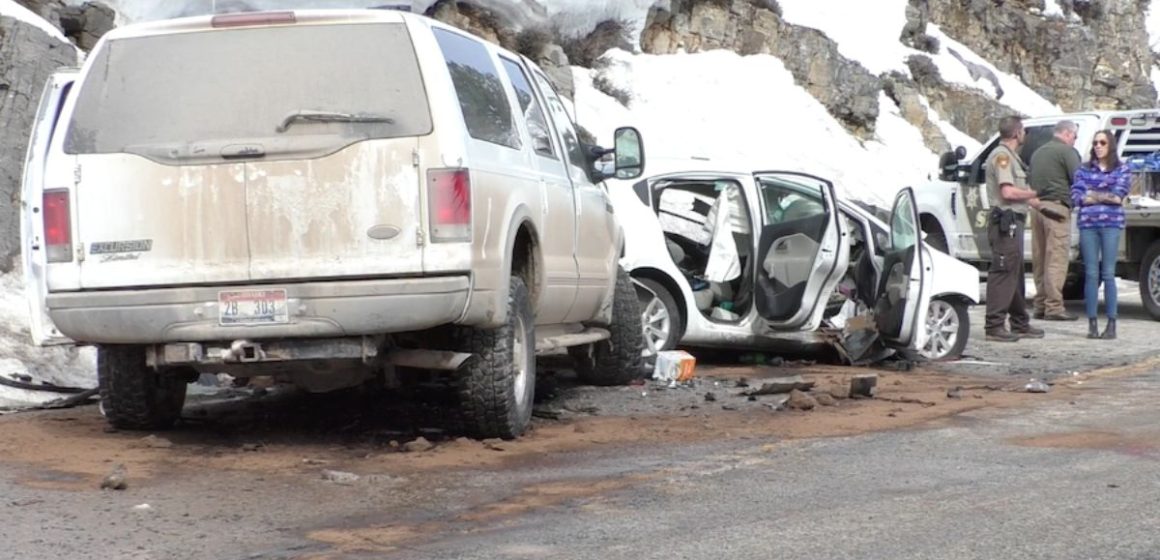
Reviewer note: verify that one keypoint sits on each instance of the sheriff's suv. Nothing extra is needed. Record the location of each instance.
(324, 196)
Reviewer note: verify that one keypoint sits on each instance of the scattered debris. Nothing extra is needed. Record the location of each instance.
(864, 385)
(710, 397)
(154, 442)
(1037, 387)
(546, 413)
(908, 400)
(1113, 486)
(252, 446)
(419, 445)
(742, 383)
(955, 393)
(801, 401)
(674, 365)
(825, 399)
(589, 410)
(78, 399)
(28, 502)
(115, 480)
(779, 385)
(839, 392)
(142, 507)
(728, 407)
(494, 444)
(309, 461)
(340, 477)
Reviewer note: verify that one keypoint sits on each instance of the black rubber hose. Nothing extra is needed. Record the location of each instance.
(34, 387)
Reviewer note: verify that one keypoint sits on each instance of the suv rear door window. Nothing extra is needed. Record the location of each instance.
(158, 95)
(533, 114)
(482, 97)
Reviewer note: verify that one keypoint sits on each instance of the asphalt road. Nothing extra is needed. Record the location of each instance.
(1056, 481)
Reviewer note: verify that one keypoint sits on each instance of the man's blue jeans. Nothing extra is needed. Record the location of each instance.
(1098, 248)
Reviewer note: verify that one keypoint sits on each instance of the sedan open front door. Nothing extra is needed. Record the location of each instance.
(904, 291)
(802, 250)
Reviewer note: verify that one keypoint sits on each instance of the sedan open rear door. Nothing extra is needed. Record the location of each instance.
(802, 250)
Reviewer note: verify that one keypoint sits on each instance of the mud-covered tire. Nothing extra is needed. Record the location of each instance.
(618, 360)
(498, 385)
(135, 396)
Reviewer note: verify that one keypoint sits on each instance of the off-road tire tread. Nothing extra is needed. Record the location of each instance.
(485, 386)
(133, 396)
(618, 360)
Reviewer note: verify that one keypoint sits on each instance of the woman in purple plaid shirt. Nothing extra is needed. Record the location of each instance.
(1098, 191)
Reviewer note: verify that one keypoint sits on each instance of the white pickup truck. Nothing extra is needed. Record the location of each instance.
(953, 209)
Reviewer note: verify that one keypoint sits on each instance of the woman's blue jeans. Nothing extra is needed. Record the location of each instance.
(1098, 248)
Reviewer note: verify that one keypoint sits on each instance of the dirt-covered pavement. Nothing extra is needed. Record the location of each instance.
(277, 474)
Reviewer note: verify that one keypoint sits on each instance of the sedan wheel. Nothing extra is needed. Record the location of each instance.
(660, 318)
(947, 329)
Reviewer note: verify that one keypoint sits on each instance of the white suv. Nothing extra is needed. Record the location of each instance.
(324, 196)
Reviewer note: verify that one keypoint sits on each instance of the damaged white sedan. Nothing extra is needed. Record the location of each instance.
(752, 260)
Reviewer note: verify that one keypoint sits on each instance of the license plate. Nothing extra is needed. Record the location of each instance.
(252, 307)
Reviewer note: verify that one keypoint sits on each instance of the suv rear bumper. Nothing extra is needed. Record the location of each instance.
(315, 309)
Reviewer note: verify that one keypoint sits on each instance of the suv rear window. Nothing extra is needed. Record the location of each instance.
(158, 95)
(482, 97)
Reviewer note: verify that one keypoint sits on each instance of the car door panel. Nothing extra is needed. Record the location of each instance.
(801, 251)
(905, 288)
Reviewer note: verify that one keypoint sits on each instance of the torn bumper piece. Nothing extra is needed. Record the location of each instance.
(365, 349)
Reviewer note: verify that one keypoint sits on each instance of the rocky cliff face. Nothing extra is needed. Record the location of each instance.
(28, 55)
(84, 24)
(847, 89)
(1095, 57)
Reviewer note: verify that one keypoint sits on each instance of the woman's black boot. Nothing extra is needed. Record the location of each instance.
(1110, 332)
(1093, 328)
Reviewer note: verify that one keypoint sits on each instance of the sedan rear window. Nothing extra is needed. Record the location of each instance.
(307, 87)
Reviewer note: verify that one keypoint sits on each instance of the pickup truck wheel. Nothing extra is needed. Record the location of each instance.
(497, 386)
(1150, 280)
(135, 396)
(947, 328)
(618, 360)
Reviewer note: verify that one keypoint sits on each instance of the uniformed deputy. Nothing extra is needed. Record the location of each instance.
(1011, 199)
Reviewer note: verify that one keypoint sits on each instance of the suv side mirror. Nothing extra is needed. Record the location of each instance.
(628, 153)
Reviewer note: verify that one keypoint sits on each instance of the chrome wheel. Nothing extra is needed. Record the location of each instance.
(520, 360)
(656, 321)
(942, 330)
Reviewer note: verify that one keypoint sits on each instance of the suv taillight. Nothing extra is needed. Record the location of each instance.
(449, 202)
(57, 226)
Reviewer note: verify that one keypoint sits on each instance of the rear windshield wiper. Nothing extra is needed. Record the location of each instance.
(330, 116)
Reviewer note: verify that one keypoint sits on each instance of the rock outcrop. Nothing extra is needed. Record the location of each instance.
(846, 88)
(84, 24)
(28, 56)
(1098, 58)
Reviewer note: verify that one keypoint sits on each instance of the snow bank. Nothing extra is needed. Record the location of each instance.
(728, 110)
(62, 366)
(11, 9)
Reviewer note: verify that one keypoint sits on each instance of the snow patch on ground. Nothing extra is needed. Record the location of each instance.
(62, 366)
(733, 112)
(11, 9)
